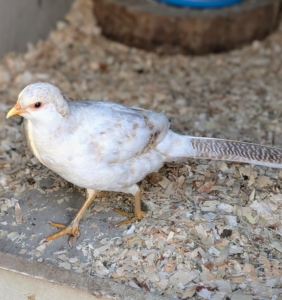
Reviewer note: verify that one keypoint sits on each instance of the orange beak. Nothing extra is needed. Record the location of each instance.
(16, 110)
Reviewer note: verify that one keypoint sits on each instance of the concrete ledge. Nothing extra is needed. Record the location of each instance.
(24, 279)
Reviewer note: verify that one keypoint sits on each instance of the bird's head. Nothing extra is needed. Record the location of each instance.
(40, 101)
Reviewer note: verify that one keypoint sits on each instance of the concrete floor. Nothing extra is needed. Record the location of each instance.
(34, 274)
(38, 208)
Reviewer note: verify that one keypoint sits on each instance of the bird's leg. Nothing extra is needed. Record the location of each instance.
(72, 229)
(138, 213)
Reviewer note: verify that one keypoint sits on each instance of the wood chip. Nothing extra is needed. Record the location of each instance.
(18, 213)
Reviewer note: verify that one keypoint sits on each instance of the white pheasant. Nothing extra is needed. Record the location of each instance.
(104, 146)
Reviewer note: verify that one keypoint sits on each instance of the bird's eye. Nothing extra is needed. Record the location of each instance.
(37, 104)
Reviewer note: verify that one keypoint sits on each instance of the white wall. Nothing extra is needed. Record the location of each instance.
(23, 21)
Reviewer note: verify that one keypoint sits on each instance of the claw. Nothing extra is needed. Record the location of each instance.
(57, 225)
(70, 240)
(132, 219)
(123, 213)
(72, 229)
(138, 213)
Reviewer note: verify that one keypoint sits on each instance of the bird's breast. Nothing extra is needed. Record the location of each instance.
(31, 140)
(46, 146)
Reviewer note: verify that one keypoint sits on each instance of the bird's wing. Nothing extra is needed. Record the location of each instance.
(120, 133)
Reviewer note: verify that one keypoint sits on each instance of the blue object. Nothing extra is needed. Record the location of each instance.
(201, 3)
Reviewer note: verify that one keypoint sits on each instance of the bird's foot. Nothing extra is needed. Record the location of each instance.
(72, 230)
(131, 217)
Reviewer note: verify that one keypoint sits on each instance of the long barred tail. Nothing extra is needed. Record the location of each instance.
(177, 146)
(217, 149)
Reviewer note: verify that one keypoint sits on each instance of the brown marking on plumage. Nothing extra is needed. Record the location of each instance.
(97, 149)
(95, 144)
(132, 169)
(72, 129)
(148, 123)
(134, 133)
(102, 132)
(114, 162)
(151, 143)
(115, 158)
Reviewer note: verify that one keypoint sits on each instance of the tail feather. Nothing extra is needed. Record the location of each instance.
(219, 149)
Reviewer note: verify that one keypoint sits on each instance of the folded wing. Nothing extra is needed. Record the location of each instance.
(119, 133)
